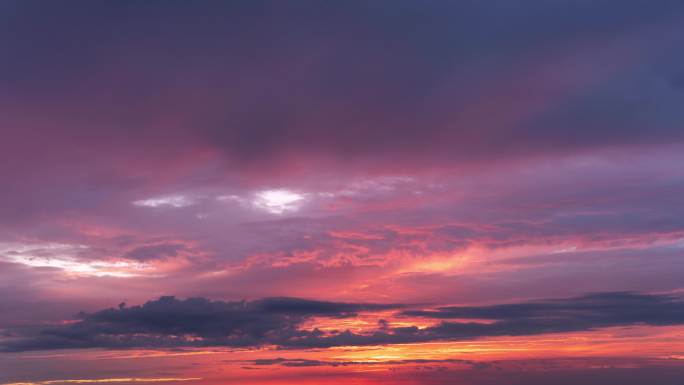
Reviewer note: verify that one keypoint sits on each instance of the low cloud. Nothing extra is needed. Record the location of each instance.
(302, 362)
(170, 322)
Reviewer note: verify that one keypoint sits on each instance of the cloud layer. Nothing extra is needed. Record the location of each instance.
(385, 160)
(170, 322)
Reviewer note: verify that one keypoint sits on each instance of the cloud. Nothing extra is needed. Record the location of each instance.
(576, 314)
(303, 362)
(151, 252)
(170, 322)
(447, 92)
(175, 201)
(581, 313)
(108, 380)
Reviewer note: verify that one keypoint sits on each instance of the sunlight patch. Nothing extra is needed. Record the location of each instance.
(278, 201)
(176, 201)
(65, 257)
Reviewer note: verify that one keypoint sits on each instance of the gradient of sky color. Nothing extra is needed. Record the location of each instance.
(362, 192)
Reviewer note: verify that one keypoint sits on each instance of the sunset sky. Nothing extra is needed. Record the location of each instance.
(464, 192)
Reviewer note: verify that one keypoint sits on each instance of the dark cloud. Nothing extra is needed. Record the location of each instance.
(302, 362)
(590, 311)
(196, 321)
(575, 314)
(169, 322)
(268, 81)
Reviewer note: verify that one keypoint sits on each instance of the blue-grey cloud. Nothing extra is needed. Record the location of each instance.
(169, 322)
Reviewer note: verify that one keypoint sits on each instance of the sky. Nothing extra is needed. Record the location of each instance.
(362, 192)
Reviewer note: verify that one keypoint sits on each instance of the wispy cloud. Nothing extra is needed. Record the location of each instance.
(107, 380)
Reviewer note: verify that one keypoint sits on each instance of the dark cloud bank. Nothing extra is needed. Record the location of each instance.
(171, 322)
(341, 69)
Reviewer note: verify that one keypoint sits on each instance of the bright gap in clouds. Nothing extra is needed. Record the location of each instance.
(71, 266)
(64, 257)
(176, 201)
(278, 201)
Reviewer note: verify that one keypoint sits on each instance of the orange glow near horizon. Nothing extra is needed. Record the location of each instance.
(611, 347)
